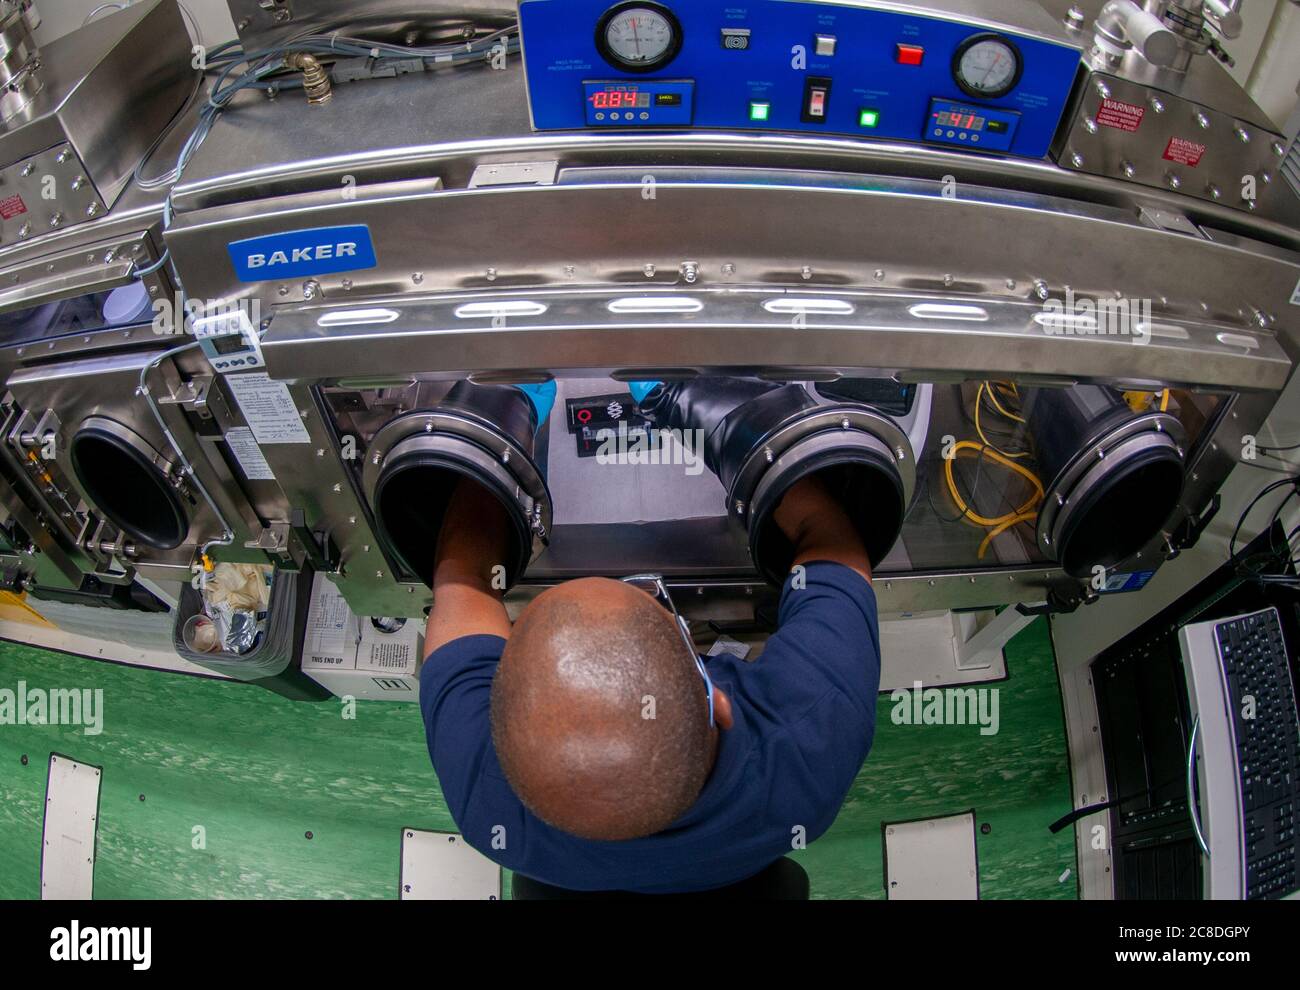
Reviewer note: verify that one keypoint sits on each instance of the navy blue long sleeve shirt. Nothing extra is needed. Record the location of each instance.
(804, 716)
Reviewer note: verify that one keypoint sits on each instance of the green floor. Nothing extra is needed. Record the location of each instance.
(258, 774)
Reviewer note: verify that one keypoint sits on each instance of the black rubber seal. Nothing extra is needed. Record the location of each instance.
(867, 484)
(1120, 515)
(411, 498)
(129, 489)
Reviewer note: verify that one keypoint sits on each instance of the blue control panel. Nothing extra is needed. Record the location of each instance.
(885, 72)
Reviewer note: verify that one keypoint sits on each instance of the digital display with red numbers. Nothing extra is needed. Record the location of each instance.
(620, 99)
(964, 121)
(628, 103)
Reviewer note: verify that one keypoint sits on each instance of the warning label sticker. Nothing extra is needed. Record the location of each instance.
(1121, 116)
(12, 206)
(1184, 152)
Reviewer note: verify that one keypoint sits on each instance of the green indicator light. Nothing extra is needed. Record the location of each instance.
(869, 118)
(760, 111)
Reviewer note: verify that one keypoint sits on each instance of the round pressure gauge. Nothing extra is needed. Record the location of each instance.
(639, 36)
(987, 66)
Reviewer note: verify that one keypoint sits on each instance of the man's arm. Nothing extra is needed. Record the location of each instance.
(473, 541)
(819, 528)
(820, 672)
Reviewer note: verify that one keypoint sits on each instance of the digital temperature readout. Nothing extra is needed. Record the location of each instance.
(967, 122)
(620, 99)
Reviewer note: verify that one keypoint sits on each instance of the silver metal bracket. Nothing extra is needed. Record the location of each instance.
(1170, 220)
(515, 174)
(273, 539)
(980, 650)
(191, 394)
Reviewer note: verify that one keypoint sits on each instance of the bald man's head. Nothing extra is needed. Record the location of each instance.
(599, 716)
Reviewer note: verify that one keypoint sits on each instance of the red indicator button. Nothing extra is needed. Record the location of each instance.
(910, 54)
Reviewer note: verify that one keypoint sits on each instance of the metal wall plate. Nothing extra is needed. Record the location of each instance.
(440, 866)
(1127, 130)
(932, 859)
(46, 192)
(70, 829)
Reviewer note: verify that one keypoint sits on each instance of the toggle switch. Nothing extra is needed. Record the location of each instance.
(816, 100)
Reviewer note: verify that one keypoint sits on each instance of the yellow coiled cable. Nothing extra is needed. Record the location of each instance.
(1000, 524)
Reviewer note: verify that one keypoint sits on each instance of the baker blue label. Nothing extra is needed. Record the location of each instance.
(298, 253)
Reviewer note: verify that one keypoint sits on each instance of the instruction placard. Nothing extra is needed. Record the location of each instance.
(331, 639)
(269, 408)
(249, 454)
(338, 640)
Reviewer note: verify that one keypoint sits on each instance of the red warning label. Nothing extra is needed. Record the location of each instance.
(1184, 152)
(1121, 116)
(12, 206)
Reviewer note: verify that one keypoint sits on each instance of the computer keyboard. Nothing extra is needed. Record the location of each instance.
(1262, 702)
